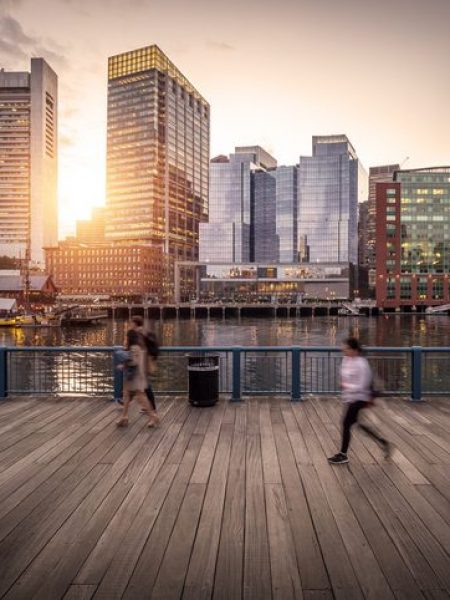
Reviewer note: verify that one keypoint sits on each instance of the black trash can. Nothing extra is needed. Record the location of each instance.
(203, 373)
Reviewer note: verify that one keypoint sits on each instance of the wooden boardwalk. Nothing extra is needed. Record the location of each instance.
(234, 501)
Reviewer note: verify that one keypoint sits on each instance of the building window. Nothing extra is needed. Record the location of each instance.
(422, 288)
(405, 288)
(438, 289)
(391, 288)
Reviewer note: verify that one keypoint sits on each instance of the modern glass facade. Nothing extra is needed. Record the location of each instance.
(256, 282)
(228, 237)
(157, 154)
(264, 217)
(413, 238)
(331, 182)
(28, 161)
(287, 213)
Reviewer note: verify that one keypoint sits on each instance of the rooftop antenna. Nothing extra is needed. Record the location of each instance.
(405, 160)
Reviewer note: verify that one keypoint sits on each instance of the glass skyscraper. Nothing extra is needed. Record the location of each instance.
(264, 218)
(28, 161)
(287, 213)
(228, 237)
(331, 182)
(157, 155)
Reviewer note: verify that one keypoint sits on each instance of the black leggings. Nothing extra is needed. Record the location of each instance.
(151, 396)
(350, 418)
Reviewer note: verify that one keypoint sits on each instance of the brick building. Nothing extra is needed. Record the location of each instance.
(114, 269)
(413, 239)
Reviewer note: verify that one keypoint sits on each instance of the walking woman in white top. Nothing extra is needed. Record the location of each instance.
(356, 383)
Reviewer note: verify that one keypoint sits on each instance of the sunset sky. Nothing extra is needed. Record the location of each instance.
(275, 73)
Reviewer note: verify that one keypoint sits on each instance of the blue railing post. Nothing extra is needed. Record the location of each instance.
(236, 379)
(296, 394)
(416, 373)
(3, 373)
(117, 377)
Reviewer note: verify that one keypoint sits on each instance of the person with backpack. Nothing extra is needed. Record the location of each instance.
(135, 375)
(152, 348)
(357, 394)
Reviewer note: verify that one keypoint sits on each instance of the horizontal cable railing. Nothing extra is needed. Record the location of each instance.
(277, 370)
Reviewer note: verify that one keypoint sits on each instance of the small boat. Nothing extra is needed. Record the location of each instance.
(82, 316)
(443, 309)
(349, 310)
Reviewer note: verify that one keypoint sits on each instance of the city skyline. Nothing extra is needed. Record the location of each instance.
(321, 65)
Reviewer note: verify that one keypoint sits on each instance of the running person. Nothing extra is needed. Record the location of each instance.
(356, 383)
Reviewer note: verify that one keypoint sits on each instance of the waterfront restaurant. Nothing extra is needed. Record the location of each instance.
(257, 282)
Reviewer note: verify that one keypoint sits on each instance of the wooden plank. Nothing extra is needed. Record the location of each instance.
(271, 468)
(367, 569)
(396, 572)
(147, 568)
(170, 579)
(283, 565)
(98, 533)
(230, 560)
(340, 571)
(119, 526)
(436, 499)
(109, 495)
(80, 592)
(32, 436)
(45, 489)
(206, 456)
(309, 557)
(317, 595)
(17, 552)
(428, 545)
(298, 445)
(199, 581)
(436, 524)
(257, 582)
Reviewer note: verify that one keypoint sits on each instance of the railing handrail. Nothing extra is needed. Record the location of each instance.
(225, 348)
(298, 355)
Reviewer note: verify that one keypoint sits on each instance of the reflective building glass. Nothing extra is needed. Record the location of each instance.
(331, 182)
(157, 154)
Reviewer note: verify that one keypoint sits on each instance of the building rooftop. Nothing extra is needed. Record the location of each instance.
(144, 59)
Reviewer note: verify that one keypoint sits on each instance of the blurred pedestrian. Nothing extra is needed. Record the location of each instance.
(135, 374)
(357, 394)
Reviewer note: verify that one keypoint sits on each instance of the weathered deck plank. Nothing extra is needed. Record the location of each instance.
(234, 501)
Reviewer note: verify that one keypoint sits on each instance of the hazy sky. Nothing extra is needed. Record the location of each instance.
(275, 73)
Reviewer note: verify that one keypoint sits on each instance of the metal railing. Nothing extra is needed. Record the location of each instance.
(278, 370)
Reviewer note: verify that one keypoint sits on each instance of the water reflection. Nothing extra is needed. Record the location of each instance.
(87, 373)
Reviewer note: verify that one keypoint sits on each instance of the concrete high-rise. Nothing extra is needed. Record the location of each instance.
(331, 183)
(157, 155)
(28, 161)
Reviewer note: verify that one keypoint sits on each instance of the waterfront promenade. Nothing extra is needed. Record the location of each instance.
(233, 501)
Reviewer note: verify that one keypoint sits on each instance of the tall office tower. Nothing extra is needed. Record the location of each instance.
(226, 237)
(363, 217)
(287, 213)
(157, 155)
(413, 239)
(384, 173)
(331, 182)
(263, 230)
(28, 161)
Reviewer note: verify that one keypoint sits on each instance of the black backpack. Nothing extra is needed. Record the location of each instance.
(151, 343)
